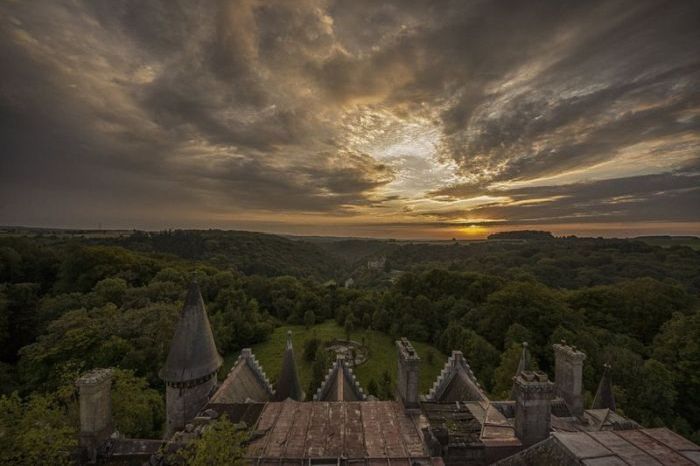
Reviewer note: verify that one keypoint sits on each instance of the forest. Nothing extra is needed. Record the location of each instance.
(69, 303)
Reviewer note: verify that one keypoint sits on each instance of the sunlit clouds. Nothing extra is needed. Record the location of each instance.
(404, 119)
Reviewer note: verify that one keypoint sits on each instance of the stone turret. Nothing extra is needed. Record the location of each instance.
(190, 370)
(95, 393)
(288, 385)
(604, 396)
(533, 394)
(408, 375)
(568, 376)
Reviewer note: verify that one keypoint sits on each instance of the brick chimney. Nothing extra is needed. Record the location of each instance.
(533, 392)
(568, 376)
(95, 393)
(407, 380)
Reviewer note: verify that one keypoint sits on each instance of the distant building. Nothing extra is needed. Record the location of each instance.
(455, 423)
(377, 264)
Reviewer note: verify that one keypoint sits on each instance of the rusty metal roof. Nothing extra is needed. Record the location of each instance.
(370, 432)
(658, 446)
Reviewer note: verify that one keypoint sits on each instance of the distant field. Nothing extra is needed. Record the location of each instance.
(382, 354)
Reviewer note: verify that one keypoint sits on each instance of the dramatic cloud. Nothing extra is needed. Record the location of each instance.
(405, 118)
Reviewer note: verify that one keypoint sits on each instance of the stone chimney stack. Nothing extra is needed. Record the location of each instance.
(95, 393)
(533, 392)
(568, 376)
(408, 375)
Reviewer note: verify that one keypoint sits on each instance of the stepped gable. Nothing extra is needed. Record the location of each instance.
(246, 381)
(456, 382)
(604, 396)
(340, 384)
(193, 355)
(288, 385)
(523, 365)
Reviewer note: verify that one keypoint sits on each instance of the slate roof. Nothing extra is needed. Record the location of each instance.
(246, 381)
(456, 382)
(340, 384)
(369, 432)
(288, 385)
(193, 353)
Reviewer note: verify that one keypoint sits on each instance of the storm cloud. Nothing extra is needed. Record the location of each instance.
(349, 116)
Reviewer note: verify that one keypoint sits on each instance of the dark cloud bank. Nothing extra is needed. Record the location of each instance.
(240, 114)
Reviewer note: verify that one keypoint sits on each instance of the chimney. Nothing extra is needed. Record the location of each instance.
(568, 376)
(407, 380)
(95, 393)
(533, 392)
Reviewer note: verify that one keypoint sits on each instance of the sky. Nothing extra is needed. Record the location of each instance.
(402, 119)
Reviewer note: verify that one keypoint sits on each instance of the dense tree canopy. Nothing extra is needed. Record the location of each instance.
(69, 305)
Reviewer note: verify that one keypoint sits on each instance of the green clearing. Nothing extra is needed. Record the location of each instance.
(382, 354)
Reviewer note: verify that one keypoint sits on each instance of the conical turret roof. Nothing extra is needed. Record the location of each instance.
(288, 385)
(523, 365)
(193, 353)
(604, 397)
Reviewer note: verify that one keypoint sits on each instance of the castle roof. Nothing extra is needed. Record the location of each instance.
(288, 385)
(604, 397)
(193, 353)
(340, 384)
(246, 381)
(456, 382)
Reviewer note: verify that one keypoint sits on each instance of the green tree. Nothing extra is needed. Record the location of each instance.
(349, 326)
(506, 370)
(309, 319)
(221, 444)
(138, 410)
(373, 388)
(386, 386)
(37, 431)
(678, 347)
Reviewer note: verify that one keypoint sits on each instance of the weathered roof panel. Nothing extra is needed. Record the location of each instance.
(366, 431)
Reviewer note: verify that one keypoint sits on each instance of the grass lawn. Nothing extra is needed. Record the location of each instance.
(382, 354)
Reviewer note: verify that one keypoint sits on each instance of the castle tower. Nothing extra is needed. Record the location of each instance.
(568, 376)
(190, 370)
(604, 396)
(95, 393)
(288, 385)
(408, 374)
(533, 406)
(523, 365)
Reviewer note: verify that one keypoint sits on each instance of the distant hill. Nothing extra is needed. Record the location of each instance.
(249, 252)
(521, 235)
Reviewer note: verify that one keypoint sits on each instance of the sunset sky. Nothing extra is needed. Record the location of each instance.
(405, 119)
